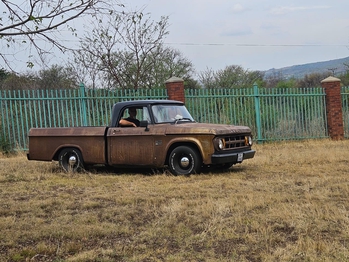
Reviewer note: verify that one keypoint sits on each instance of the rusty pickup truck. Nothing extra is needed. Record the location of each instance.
(164, 136)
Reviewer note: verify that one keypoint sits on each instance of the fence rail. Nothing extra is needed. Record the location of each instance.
(272, 114)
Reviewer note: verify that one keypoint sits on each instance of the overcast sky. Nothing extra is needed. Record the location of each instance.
(257, 35)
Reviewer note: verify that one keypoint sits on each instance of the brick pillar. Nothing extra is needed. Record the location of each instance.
(175, 89)
(334, 112)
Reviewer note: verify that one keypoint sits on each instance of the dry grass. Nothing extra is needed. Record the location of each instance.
(289, 203)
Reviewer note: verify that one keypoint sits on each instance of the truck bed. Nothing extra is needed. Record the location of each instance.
(45, 143)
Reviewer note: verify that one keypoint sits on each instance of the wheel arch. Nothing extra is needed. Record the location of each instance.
(60, 148)
(193, 144)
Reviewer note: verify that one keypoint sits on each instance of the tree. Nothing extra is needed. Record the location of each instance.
(35, 22)
(165, 62)
(17, 82)
(56, 77)
(86, 70)
(344, 77)
(273, 79)
(3, 75)
(232, 76)
(313, 80)
(287, 83)
(127, 52)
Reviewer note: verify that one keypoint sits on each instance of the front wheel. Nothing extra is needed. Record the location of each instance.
(70, 159)
(184, 160)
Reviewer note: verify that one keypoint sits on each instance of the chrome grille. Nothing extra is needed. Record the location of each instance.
(232, 142)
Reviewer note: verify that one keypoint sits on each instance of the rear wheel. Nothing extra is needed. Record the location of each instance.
(184, 160)
(70, 159)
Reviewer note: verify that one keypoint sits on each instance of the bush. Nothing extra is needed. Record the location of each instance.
(5, 146)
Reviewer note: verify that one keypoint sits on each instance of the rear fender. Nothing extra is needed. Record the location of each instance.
(59, 149)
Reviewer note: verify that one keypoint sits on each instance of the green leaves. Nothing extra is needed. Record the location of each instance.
(30, 64)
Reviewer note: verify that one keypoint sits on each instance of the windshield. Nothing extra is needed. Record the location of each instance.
(171, 113)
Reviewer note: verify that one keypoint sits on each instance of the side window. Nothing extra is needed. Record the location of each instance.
(130, 117)
(139, 113)
(145, 115)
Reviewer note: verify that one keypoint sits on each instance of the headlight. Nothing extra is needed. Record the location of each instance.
(248, 140)
(219, 143)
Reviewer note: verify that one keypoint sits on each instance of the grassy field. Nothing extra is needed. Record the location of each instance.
(289, 203)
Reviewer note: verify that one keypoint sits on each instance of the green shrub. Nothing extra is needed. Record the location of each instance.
(5, 146)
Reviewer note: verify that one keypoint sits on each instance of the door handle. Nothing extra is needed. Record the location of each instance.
(115, 131)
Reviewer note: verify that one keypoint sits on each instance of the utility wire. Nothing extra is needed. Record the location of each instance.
(254, 45)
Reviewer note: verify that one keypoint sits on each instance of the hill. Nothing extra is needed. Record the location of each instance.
(299, 71)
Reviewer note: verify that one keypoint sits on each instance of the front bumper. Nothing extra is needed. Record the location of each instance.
(232, 158)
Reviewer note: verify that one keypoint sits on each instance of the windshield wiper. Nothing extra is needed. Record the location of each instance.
(183, 118)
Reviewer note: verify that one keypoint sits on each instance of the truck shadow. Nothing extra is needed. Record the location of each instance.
(107, 170)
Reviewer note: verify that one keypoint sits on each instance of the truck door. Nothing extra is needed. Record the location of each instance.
(131, 145)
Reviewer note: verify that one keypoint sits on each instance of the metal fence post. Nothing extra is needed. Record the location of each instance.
(83, 104)
(3, 133)
(258, 112)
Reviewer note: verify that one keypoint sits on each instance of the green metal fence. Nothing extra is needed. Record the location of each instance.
(22, 109)
(272, 114)
(345, 110)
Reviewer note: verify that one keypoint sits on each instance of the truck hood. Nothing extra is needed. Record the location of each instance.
(203, 128)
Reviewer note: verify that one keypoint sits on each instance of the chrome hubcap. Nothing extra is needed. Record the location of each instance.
(72, 161)
(184, 162)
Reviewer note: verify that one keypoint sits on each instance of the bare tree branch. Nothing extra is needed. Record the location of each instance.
(130, 52)
(36, 20)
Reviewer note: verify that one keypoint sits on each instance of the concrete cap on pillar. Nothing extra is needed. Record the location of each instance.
(330, 79)
(174, 79)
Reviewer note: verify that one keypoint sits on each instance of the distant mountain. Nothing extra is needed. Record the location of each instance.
(299, 71)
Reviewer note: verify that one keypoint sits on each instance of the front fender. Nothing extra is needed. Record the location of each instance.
(203, 144)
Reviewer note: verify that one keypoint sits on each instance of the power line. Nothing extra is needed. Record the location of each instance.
(255, 45)
(222, 44)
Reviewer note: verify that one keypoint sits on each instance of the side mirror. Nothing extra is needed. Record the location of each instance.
(144, 123)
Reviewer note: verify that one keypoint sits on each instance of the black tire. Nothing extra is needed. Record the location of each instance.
(70, 159)
(184, 160)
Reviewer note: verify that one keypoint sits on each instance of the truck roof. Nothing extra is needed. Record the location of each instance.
(117, 108)
(146, 102)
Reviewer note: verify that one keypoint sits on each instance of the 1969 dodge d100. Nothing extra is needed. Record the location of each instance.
(165, 135)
